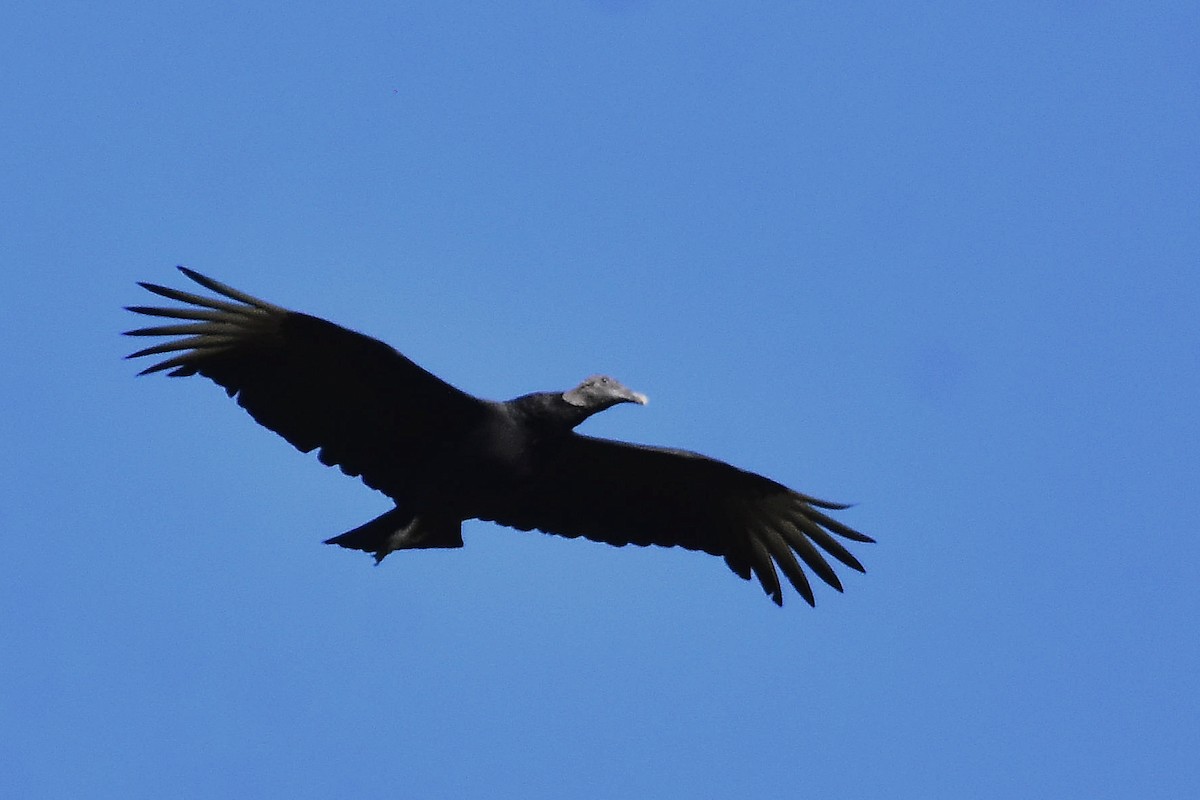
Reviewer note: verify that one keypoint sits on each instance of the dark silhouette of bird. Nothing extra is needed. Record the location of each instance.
(444, 456)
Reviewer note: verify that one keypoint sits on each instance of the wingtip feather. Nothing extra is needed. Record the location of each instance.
(226, 290)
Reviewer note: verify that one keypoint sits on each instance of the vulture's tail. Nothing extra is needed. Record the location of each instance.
(400, 530)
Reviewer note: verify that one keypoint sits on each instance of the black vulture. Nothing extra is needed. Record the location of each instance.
(444, 456)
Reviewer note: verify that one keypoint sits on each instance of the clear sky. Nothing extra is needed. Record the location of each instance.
(938, 259)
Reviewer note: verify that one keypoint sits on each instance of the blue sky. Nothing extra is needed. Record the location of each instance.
(937, 259)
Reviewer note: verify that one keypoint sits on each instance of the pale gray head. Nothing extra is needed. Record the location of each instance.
(600, 392)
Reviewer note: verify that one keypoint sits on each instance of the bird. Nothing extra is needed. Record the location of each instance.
(444, 456)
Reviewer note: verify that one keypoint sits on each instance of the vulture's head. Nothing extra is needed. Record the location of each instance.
(600, 392)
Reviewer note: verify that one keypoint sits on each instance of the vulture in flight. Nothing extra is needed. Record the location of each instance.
(444, 456)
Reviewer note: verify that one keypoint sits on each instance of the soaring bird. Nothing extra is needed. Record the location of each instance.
(444, 456)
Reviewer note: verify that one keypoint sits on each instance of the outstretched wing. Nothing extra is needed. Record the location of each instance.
(369, 409)
(622, 493)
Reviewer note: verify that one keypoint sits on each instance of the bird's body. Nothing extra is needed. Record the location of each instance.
(444, 456)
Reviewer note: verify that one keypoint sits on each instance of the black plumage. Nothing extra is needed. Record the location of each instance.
(444, 456)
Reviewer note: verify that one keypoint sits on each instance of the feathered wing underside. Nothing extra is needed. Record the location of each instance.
(369, 409)
(621, 493)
